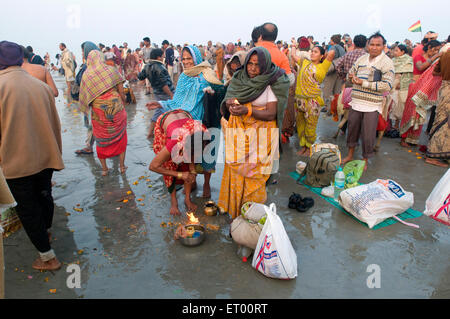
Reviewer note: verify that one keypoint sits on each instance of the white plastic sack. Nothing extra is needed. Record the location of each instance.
(374, 202)
(328, 191)
(274, 256)
(245, 233)
(437, 205)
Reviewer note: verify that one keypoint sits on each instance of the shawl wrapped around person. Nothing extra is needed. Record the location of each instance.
(191, 87)
(240, 55)
(109, 118)
(403, 66)
(30, 127)
(246, 90)
(87, 48)
(68, 63)
(422, 94)
(130, 67)
(220, 53)
(247, 169)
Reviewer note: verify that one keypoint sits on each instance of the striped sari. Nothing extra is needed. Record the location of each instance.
(109, 124)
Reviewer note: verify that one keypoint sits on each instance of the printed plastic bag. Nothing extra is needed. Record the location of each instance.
(374, 202)
(274, 255)
(245, 233)
(353, 171)
(437, 205)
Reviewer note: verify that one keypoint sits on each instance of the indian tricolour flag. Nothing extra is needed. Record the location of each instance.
(416, 27)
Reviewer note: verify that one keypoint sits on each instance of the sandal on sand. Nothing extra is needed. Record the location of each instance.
(294, 200)
(84, 151)
(104, 173)
(305, 204)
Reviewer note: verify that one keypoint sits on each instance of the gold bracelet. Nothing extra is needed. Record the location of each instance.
(180, 175)
(250, 109)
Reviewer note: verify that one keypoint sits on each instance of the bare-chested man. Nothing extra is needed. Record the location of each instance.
(38, 71)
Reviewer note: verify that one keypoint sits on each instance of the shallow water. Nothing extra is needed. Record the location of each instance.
(127, 254)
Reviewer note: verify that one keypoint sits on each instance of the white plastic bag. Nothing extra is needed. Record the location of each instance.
(437, 205)
(274, 256)
(374, 202)
(245, 233)
(328, 191)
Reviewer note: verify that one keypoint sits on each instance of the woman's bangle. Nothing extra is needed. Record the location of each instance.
(180, 175)
(249, 107)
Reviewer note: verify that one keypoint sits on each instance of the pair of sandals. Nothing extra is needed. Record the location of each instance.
(392, 133)
(296, 201)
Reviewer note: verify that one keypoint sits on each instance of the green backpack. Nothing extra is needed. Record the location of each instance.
(321, 168)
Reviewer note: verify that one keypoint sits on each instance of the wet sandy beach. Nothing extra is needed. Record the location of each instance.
(124, 252)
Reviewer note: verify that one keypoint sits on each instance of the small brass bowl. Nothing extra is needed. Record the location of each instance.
(190, 241)
(210, 208)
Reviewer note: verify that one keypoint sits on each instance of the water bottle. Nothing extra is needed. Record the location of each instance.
(339, 182)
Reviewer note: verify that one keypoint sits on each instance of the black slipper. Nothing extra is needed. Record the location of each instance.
(294, 200)
(305, 204)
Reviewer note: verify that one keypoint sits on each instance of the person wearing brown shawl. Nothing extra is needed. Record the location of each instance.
(220, 53)
(30, 149)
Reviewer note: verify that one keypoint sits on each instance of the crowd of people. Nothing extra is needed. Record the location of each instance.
(256, 94)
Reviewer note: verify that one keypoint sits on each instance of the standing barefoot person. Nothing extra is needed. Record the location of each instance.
(102, 89)
(174, 135)
(308, 100)
(30, 149)
(372, 75)
(438, 150)
(68, 64)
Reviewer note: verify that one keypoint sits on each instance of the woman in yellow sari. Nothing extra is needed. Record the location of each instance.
(250, 130)
(308, 99)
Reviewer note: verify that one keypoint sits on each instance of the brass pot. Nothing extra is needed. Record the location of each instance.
(210, 208)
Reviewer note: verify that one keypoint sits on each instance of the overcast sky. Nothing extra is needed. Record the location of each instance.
(43, 24)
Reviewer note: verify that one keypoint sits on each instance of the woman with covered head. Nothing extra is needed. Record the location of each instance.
(404, 66)
(233, 64)
(250, 130)
(197, 79)
(102, 89)
(86, 48)
(179, 141)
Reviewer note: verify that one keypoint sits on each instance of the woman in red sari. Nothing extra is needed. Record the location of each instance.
(175, 133)
(421, 96)
(102, 89)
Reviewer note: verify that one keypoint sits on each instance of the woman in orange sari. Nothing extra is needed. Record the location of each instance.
(250, 130)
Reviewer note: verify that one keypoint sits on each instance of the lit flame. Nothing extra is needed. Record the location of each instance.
(192, 218)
